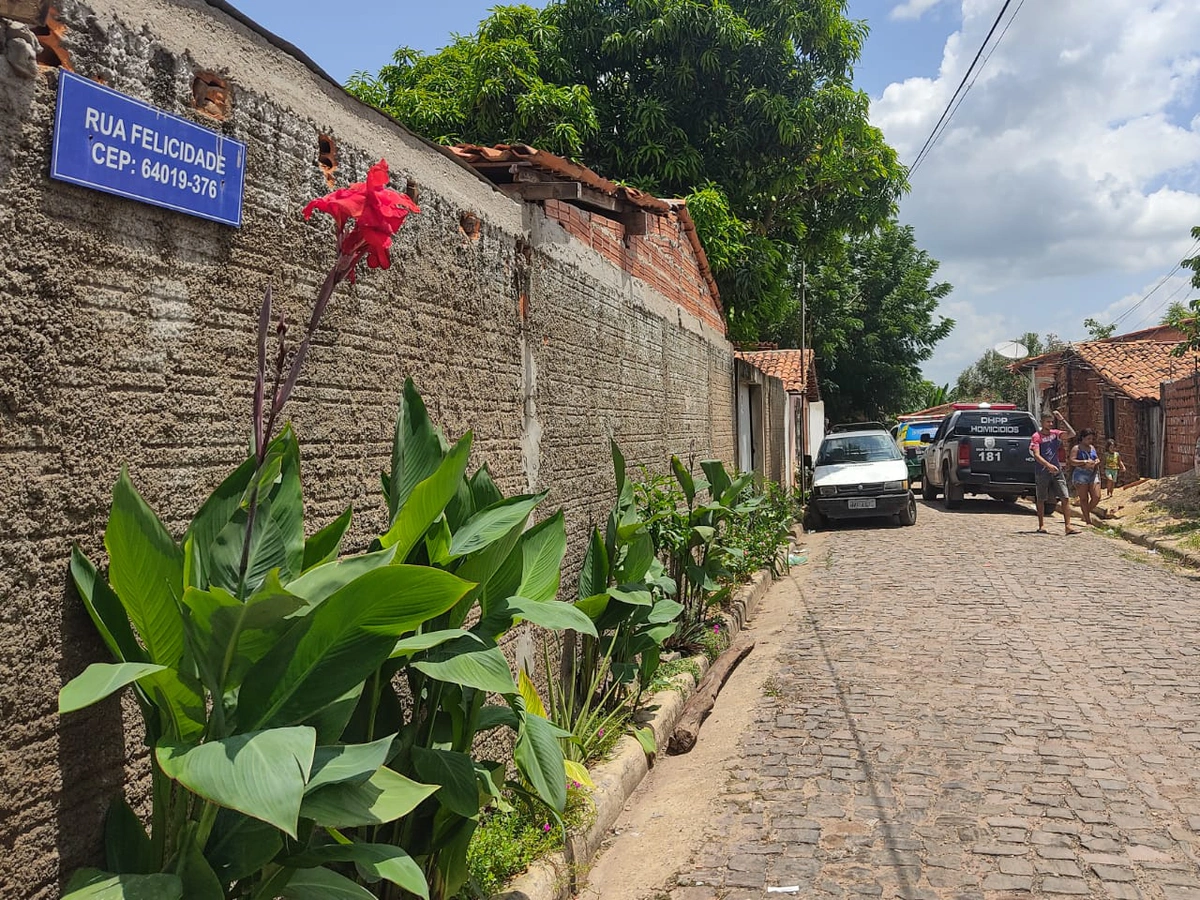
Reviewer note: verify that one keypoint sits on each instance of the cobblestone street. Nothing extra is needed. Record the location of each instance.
(966, 709)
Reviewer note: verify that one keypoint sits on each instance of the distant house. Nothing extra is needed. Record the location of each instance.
(801, 418)
(1115, 387)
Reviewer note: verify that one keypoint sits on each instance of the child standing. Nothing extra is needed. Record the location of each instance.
(1112, 465)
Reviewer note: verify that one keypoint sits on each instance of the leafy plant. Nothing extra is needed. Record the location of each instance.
(760, 539)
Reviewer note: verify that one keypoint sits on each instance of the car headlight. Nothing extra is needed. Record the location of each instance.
(895, 485)
(827, 491)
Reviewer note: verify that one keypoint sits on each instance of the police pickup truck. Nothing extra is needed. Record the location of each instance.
(979, 448)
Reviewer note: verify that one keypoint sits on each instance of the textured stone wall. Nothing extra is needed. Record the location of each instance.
(126, 338)
(1181, 410)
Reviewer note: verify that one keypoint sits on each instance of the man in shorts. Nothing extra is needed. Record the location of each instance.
(1049, 451)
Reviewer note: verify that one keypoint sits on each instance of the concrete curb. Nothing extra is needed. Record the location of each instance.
(1159, 545)
(557, 875)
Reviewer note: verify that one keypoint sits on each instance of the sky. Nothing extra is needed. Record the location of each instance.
(1065, 186)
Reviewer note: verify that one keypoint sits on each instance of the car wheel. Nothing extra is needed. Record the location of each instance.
(814, 519)
(953, 494)
(929, 490)
(1007, 498)
(908, 515)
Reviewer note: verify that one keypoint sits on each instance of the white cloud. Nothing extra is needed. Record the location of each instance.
(912, 9)
(1076, 154)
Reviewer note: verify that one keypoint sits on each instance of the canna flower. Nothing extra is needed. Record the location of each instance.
(377, 212)
(546, 826)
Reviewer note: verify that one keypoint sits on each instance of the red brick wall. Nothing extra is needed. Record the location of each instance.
(1179, 399)
(663, 257)
(1079, 394)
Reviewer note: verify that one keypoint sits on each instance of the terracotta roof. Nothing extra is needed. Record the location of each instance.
(797, 369)
(1136, 368)
(514, 154)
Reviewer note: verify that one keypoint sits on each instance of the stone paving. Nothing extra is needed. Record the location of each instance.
(969, 710)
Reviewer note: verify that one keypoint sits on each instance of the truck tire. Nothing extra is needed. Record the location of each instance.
(908, 515)
(953, 494)
(929, 490)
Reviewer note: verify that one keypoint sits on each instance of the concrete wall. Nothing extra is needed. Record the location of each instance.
(1181, 409)
(126, 337)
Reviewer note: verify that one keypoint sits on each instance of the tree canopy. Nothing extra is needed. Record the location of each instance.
(989, 378)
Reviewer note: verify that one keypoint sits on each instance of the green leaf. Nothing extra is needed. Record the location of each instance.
(239, 845)
(261, 774)
(382, 798)
(331, 721)
(146, 570)
(484, 492)
(593, 580)
(200, 882)
(639, 556)
(730, 494)
(427, 500)
(99, 680)
(322, 884)
(105, 609)
(552, 614)
(416, 449)
(593, 607)
(127, 847)
(214, 515)
(718, 477)
(634, 596)
(624, 487)
(539, 758)
(664, 610)
(375, 862)
(320, 582)
(542, 551)
(430, 639)
(454, 773)
(485, 670)
(645, 737)
(496, 716)
(343, 641)
(684, 477)
(268, 550)
(323, 546)
(92, 884)
(530, 696)
(493, 523)
(348, 762)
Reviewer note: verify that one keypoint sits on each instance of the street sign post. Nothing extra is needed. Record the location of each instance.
(110, 142)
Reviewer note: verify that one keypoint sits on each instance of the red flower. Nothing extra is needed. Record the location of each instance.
(377, 212)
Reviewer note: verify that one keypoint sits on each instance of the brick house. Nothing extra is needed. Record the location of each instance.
(803, 413)
(1116, 387)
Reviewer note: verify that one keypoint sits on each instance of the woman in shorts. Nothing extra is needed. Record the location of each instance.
(1085, 465)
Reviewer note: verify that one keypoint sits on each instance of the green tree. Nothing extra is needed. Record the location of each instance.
(929, 394)
(746, 106)
(1176, 314)
(989, 377)
(1099, 331)
(875, 321)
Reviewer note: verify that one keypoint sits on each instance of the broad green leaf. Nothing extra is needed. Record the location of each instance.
(382, 798)
(484, 492)
(578, 773)
(639, 556)
(99, 680)
(496, 716)
(664, 610)
(145, 569)
(645, 737)
(375, 862)
(322, 884)
(268, 550)
(200, 882)
(453, 833)
(632, 595)
(455, 775)
(493, 523)
(529, 693)
(239, 845)
(430, 639)
(287, 506)
(127, 847)
(718, 477)
(92, 884)
(624, 487)
(730, 494)
(343, 641)
(684, 477)
(593, 579)
(416, 449)
(427, 500)
(319, 582)
(437, 543)
(552, 614)
(261, 774)
(485, 670)
(542, 551)
(214, 515)
(348, 762)
(323, 546)
(539, 758)
(105, 609)
(593, 607)
(331, 721)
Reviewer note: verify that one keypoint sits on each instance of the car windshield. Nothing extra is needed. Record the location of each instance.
(914, 431)
(857, 448)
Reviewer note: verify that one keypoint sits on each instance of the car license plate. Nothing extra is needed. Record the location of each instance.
(861, 504)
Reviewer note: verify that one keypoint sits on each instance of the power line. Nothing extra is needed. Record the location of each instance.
(1154, 290)
(1166, 302)
(974, 78)
(929, 141)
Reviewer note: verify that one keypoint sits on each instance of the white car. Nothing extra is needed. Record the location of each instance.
(860, 474)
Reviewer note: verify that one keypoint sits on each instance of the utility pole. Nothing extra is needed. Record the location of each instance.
(803, 429)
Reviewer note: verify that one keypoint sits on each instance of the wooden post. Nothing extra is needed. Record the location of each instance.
(29, 12)
(696, 710)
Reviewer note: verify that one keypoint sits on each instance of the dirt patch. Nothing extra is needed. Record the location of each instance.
(664, 821)
(1165, 509)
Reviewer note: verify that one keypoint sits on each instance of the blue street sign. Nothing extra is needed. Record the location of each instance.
(110, 142)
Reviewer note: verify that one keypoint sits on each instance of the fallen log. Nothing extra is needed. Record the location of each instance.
(696, 710)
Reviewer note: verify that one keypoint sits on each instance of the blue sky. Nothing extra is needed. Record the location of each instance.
(1064, 188)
